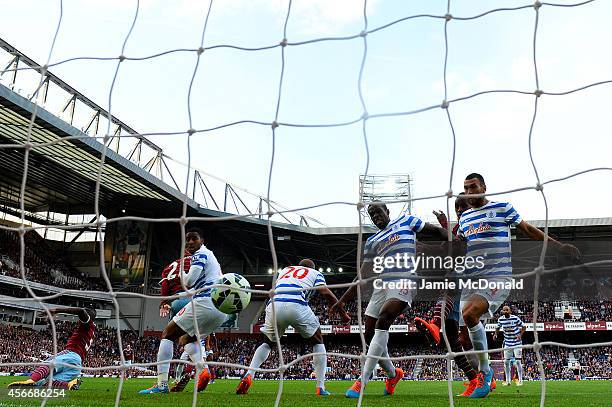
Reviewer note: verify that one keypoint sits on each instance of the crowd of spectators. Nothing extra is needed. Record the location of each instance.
(42, 264)
(26, 345)
(590, 310)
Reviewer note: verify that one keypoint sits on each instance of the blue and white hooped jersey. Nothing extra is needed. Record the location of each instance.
(487, 231)
(397, 238)
(512, 328)
(205, 264)
(293, 278)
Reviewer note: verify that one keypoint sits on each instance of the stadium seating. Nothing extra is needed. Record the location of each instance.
(42, 264)
(24, 344)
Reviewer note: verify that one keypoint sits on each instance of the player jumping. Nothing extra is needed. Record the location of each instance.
(67, 363)
(486, 228)
(513, 329)
(291, 308)
(204, 271)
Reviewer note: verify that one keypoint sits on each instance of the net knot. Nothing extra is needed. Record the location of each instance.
(444, 104)
(539, 187)
(200, 50)
(121, 58)
(191, 132)
(537, 5)
(44, 69)
(365, 116)
(448, 17)
(539, 269)
(537, 347)
(183, 220)
(274, 124)
(282, 369)
(538, 93)
(449, 193)
(360, 205)
(284, 42)
(28, 146)
(363, 33)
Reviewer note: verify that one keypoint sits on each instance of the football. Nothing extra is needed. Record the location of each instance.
(231, 299)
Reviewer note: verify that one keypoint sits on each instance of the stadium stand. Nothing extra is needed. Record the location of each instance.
(42, 264)
(25, 344)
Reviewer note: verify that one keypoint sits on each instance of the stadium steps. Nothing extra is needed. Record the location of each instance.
(418, 367)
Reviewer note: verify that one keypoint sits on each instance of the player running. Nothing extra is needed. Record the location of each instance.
(486, 228)
(513, 329)
(386, 304)
(291, 308)
(204, 271)
(67, 363)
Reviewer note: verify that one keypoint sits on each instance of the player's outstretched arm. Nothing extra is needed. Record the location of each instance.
(80, 312)
(332, 301)
(437, 231)
(351, 292)
(536, 234)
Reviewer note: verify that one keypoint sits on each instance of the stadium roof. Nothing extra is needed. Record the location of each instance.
(62, 175)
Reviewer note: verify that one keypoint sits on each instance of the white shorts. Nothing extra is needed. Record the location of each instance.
(299, 316)
(207, 315)
(380, 296)
(376, 302)
(513, 353)
(495, 298)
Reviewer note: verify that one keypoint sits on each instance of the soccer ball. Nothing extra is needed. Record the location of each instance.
(231, 300)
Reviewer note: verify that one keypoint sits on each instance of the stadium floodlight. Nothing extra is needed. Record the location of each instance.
(329, 269)
(386, 188)
(270, 271)
(321, 269)
(339, 269)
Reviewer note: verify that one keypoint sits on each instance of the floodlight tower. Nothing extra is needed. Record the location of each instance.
(385, 188)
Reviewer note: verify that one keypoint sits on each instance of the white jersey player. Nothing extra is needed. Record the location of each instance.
(293, 288)
(513, 329)
(203, 273)
(486, 227)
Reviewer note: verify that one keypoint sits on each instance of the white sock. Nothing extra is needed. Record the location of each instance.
(478, 336)
(378, 344)
(508, 370)
(387, 365)
(319, 363)
(260, 356)
(195, 353)
(178, 371)
(166, 349)
(519, 370)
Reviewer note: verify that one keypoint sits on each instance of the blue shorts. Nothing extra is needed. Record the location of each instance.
(177, 305)
(66, 373)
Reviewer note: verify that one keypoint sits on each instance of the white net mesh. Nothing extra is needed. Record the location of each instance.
(276, 125)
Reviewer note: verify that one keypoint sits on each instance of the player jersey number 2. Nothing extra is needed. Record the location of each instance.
(298, 272)
(172, 273)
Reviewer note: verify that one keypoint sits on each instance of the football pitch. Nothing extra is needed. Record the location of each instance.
(101, 392)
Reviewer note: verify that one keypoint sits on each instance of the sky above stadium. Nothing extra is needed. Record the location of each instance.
(403, 72)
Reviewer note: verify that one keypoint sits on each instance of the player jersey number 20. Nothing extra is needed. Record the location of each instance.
(295, 272)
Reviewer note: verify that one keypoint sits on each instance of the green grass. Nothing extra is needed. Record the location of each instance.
(101, 392)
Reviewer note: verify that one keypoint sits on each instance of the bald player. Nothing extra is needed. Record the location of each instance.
(294, 286)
